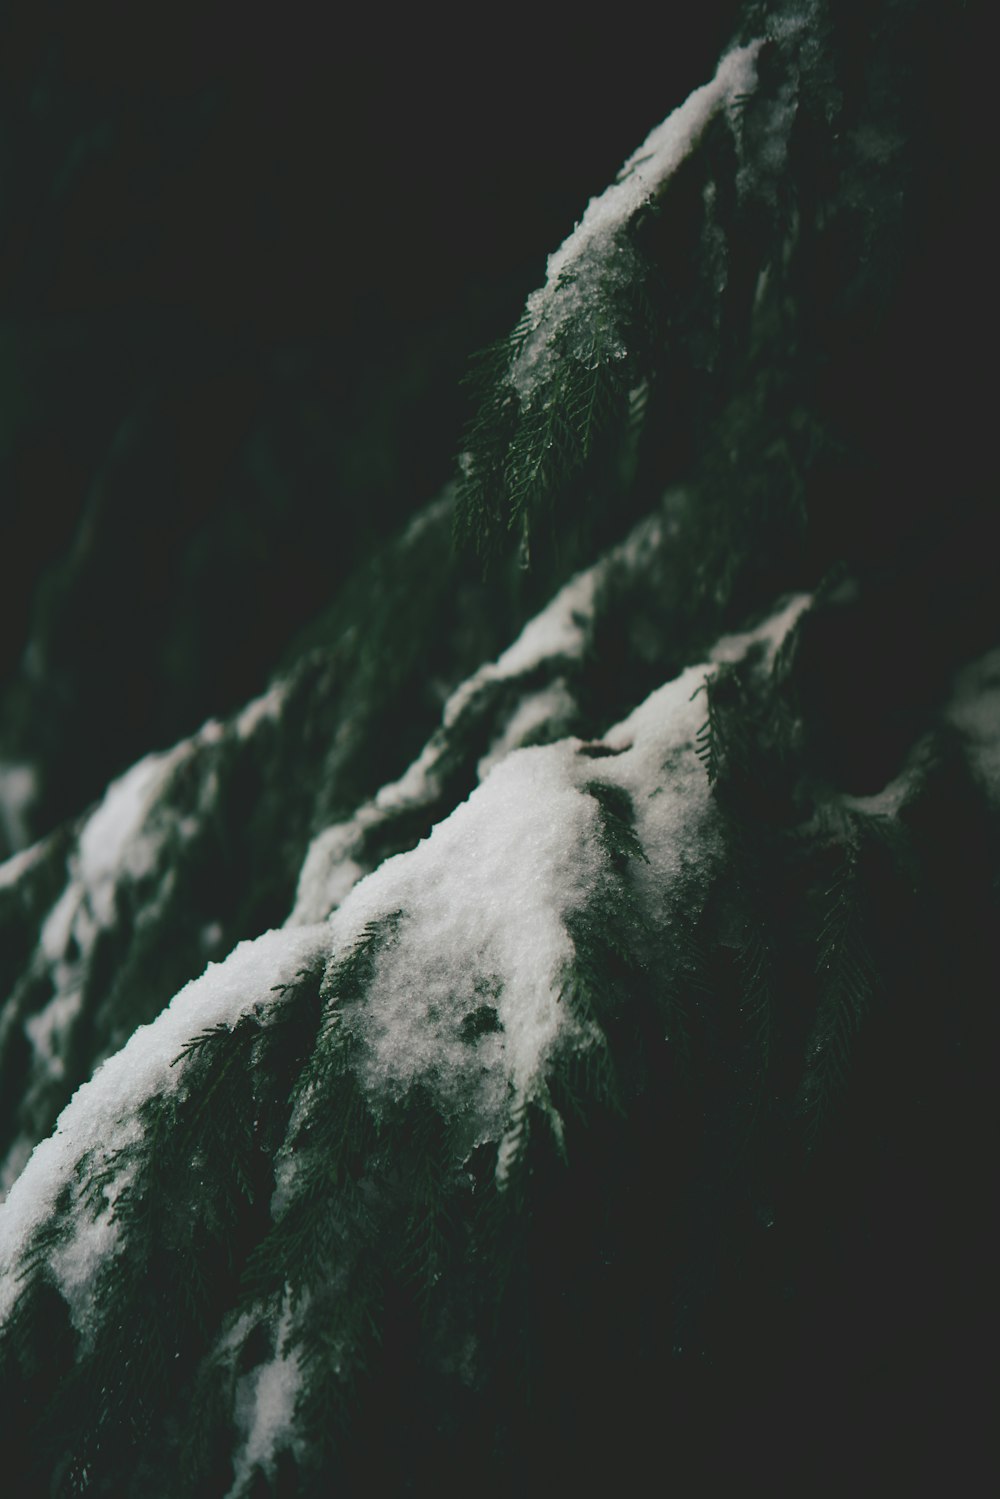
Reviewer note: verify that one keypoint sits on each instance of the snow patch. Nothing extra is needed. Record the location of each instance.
(477, 914)
(14, 1163)
(485, 898)
(658, 766)
(92, 1241)
(102, 1116)
(264, 709)
(265, 1409)
(552, 707)
(329, 872)
(114, 840)
(589, 263)
(771, 634)
(335, 862)
(18, 791)
(12, 869)
(559, 631)
(47, 1027)
(974, 710)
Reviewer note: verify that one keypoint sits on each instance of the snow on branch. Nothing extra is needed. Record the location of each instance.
(593, 260)
(456, 983)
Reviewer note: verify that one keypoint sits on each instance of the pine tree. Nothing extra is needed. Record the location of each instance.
(611, 1089)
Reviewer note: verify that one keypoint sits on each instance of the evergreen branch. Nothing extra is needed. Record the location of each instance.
(756, 959)
(349, 978)
(616, 829)
(522, 451)
(203, 1039)
(514, 1144)
(709, 740)
(686, 987)
(848, 979)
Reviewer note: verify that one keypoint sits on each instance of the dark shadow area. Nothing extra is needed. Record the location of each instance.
(245, 256)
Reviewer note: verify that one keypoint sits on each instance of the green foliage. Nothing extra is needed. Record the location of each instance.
(757, 965)
(686, 988)
(185, 1202)
(710, 743)
(797, 861)
(616, 829)
(525, 448)
(848, 979)
(771, 996)
(606, 977)
(749, 742)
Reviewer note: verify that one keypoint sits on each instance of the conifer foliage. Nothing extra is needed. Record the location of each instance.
(588, 1101)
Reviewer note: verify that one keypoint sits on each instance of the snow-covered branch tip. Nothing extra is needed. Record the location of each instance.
(570, 372)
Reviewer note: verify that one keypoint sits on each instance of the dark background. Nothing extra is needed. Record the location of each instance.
(245, 255)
